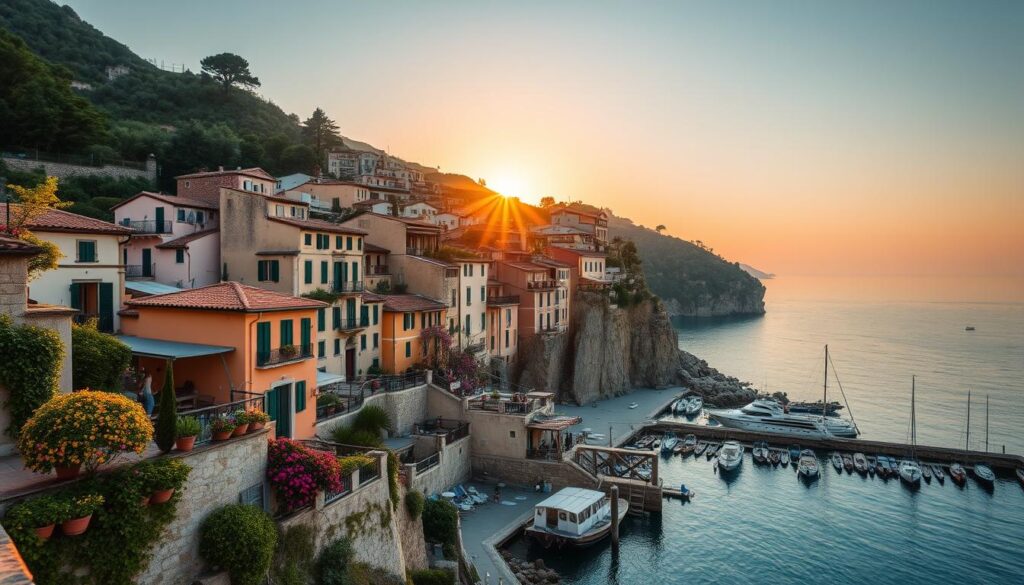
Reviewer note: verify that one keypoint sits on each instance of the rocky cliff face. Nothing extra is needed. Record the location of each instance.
(608, 351)
(738, 302)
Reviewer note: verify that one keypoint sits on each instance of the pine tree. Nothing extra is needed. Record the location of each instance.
(320, 133)
(167, 419)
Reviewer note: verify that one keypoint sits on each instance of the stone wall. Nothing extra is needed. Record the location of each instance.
(452, 469)
(12, 569)
(525, 472)
(404, 407)
(441, 403)
(63, 170)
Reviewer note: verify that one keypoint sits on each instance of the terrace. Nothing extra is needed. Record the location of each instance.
(503, 300)
(140, 270)
(451, 430)
(283, 355)
(346, 397)
(517, 404)
(346, 286)
(150, 226)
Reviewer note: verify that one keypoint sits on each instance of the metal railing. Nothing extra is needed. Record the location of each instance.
(346, 286)
(504, 406)
(541, 284)
(452, 430)
(350, 395)
(149, 226)
(503, 300)
(347, 324)
(333, 496)
(425, 464)
(139, 270)
(207, 414)
(380, 270)
(283, 355)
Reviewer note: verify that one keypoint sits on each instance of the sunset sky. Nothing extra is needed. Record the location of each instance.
(799, 137)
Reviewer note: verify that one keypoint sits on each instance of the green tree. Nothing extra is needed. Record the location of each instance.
(298, 158)
(547, 201)
(660, 228)
(167, 419)
(99, 359)
(33, 203)
(320, 133)
(229, 70)
(196, 146)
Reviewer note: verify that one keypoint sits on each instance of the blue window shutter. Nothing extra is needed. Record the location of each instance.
(300, 396)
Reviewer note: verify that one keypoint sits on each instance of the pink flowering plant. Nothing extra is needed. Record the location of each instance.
(297, 473)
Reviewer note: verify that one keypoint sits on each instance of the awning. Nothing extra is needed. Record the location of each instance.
(148, 287)
(555, 423)
(161, 348)
(323, 378)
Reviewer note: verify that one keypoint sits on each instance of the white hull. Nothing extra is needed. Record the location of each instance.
(760, 426)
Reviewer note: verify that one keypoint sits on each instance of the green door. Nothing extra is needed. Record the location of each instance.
(337, 276)
(106, 323)
(262, 343)
(147, 262)
(278, 405)
(160, 220)
(76, 296)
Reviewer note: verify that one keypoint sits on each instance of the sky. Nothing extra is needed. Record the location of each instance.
(803, 138)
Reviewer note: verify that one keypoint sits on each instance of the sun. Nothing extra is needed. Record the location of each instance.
(511, 184)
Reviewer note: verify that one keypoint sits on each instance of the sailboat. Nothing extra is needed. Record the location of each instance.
(837, 427)
(982, 471)
(956, 470)
(909, 470)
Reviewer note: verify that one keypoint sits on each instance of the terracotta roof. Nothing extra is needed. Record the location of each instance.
(555, 250)
(250, 172)
(369, 297)
(410, 303)
(16, 247)
(58, 220)
(409, 221)
(528, 266)
(318, 225)
(228, 296)
(170, 199)
(551, 262)
(184, 240)
(368, 247)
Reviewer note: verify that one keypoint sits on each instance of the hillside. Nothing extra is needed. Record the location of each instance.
(691, 280)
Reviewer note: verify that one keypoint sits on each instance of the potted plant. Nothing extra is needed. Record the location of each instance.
(288, 351)
(222, 426)
(166, 476)
(241, 423)
(375, 385)
(79, 512)
(40, 514)
(187, 428)
(257, 419)
(328, 402)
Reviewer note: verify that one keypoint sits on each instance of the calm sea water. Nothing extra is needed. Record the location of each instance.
(764, 525)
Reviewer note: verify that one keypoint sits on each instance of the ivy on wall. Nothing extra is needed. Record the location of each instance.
(31, 369)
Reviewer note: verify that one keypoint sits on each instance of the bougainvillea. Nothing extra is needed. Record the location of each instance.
(83, 428)
(297, 473)
(438, 342)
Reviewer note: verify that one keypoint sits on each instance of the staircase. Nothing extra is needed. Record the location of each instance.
(637, 501)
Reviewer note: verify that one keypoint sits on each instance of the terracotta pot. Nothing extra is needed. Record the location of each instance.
(222, 436)
(162, 496)
(145, 501)
(256, 426)
(69, 472)
(240, 430)
(185, 443)
(75, 526)
(44, 532)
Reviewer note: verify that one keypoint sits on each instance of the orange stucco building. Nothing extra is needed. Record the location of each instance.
(229, 342)
(405, 316)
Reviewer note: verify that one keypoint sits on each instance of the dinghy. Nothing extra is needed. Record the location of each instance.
(847, 463)
(837, 462)
(784, 457)
(957, 474)
(926, 473)
(939, 474)
(701, 447)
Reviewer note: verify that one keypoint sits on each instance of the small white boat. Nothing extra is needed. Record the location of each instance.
(910, 473)
(633, 405)
(668, 442)
(730, 456)
(760, 452)
(784, 457)
(575, 517)
(807, 466)
(679, 407)
(957, 473)
(984, 474)
(695, 405)
(837, 461)
(938, 473)
(860, 463)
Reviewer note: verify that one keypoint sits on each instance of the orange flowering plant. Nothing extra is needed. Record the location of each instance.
(85, 428)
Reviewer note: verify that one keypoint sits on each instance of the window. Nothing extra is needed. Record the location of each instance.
(287, 332)
(511, 434)
(469, 296)
(321, 319)
(423, 320)
(483, 294)
(337, 242)
(337, 347)
(200, 217)
(408, 349)
(506, 339)
(179, 256)
(300, 396)
(262, 342)
(483, 270)
(471, 270)
(492, 343)
(362, 342)
(359, 244)
(308, 271)
(268, 270)
(181, 215)
(348, 243)
(324, 270)
(376, 312)
(87, 251)
(321, 349)
(308, 239)
(376, 341)
(306, 335)
(252, 496)
(336, 312)
(469, 320)
(483, 322)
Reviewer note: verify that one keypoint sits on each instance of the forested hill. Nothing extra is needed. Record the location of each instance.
(691, 279)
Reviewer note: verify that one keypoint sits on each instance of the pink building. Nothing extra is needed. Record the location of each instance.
(205, 186)
(543, 293)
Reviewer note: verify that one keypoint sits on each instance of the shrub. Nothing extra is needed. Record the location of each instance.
(414, 503)
(37, 512)
(99, 359)
(167, 419)
(327, 399)
(83, 505)
(223, 423)
(363, 574)
(350, 463)
(351, 436)
(83, 428)
(440, 524)
(432, 577)
(256, 416)
(372, 419)
(322, 295)
(32, 358)
(297, 472)
(294, 557)
(240, 539)
(161, 474)
(187, 426)
(332, 564)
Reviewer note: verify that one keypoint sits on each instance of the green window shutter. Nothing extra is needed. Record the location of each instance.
(261, 270)
(362, 342)
(275, 270)
(376, 341)
(321, 349)
(408, 349)
(263, 345)
(308, 239)
(337, 242)
(337, 275)
(305, 328)
(179, 256)
(376, 314)
(355, 272)
(300, 396)
(324, 269)
(337, 347)
(308, 267)
(106, 323)
(350, 310)
(76, 296)
(359, 244)
(271, 402)
(286, 332)
(364, 315)
(348, 243)
(337, 317)
(321, 319)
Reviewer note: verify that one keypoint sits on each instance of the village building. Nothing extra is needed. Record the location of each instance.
(502, 322)
(589, 267)
(595, 224)
(543, 296)
(561, 236)
(405, 318)
(205, 186)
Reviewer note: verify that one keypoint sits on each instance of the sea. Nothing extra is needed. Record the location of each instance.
(761, 524)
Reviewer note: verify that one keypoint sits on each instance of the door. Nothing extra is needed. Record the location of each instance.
(147, 262)
(278, 405)
(350, 364)
(160, 220)
(106, 307)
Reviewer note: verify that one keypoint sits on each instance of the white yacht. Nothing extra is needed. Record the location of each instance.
(767, 416)
(910, 472)
(808, 465)
(840, 427)
(730, 456)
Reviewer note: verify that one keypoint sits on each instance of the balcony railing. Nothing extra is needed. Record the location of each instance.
(504, 300)
(283, 355)
(350, 324)
(425, 464)
(541, 284)
(504, 406)
(557, 328)
(381, 270)
(347, 286)
(208, 414)
(451, 430)
(140, 270)
(150, 226)
(350, 395)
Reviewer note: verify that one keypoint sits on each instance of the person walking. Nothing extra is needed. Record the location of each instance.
(146, 393)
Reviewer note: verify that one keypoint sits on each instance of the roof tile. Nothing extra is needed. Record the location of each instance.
(228, 296)
(58, 220)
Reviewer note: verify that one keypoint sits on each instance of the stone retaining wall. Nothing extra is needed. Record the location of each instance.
(62, 170)
(404, 407)
(525, 472)
(453, 469)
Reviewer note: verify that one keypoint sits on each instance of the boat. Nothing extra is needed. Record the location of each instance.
(767, 416)
(784, 457)
(938, 473)
(894, 467)
(712, 450)
(687, 445)
(837, 461)
(773, 456)
(679, 406)
(860, 463)
(574, 517)
(957, 474)
(807, 467)
(882, 466)
(700, 448)
(840, 427)
(760, 452)
(909, 470)
(831, 409)
(668, 442)
(730, 456)
(847, 463)
(686, 492)
(633, 405)
(926, 473)
(695, 406)
(969, 328)
(794, 453)
(1020, 475)
(872, 464)
(984, 474)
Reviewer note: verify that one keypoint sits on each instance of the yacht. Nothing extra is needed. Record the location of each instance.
(767, 416)
(694, 406)
(840, 427)
(574, 517)
(731, 456)
(808, 464)
(910, 473)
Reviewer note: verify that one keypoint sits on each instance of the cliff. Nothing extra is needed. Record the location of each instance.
(608, 351)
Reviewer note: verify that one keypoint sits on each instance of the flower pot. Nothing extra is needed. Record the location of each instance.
(256, 426)
(162, 496)
(222, 436)
(68, 472)
(185, 443)
(75, 526)
(44, 532)
(240, 430)
(145, 501)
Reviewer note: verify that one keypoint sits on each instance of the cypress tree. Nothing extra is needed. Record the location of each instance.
(167, 419)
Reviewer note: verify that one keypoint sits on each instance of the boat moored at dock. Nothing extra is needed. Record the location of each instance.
(767, 416)
(575, 517)
(807, 466)
(731, 455)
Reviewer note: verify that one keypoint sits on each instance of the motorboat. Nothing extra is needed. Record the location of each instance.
(695, 405)
(774, 457)
(668, 442)
(882, 466)
(760, 452)
(700, 448)
(794, 453)
(837, 462)
(784, 457)
(767, 416)
(957, 474)
(894, 467)
(910, 472)
(712, 450)
(939, 474)
(687, 445)
(860, 463)
(730, 456)
(574, 517)
(847, 463)
(807, 467)
(840, 427)
(633, 405)
(926, 473)
(872, 464)
(984, 474)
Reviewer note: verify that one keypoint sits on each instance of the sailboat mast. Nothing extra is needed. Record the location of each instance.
(824, 399)
(967, 442)
(913, 415)
(986, 423)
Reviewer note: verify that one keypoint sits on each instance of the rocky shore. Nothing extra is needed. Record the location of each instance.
(531, 572)
(717, 388)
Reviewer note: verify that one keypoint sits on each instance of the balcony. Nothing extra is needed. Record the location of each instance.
(552, 329)
(505, 300)
(347, 286)
(451, 430)
(351, 324)
(380, 270)
(149, 226)
(504, 405)
(542, 284)
(140, 270)
(416, 251)
(477, 347)
(283, 355)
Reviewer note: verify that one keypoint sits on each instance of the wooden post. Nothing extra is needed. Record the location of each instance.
(615, 518)
(609, 435)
